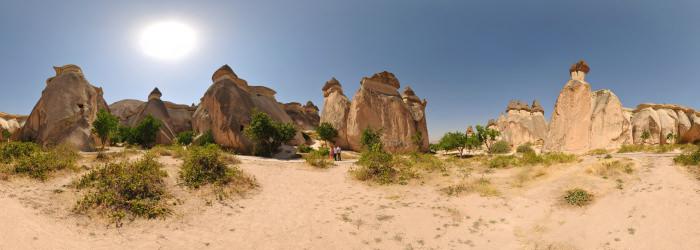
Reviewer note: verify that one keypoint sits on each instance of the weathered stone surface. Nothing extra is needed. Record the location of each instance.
(692, 135)
(335, 111)
(125, 108)
(305, 117)
(667, 120)
(470, 130)
(521, 125)
(683, 122)
(512, 106)
(156, 107)
(609, 127)
(65, 111)
(491, 124)
(378, 104)
(227, 106)
(13, 123)
(646, 119)
(536, 107)
(569, 129)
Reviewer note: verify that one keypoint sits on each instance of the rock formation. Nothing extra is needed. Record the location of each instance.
(470, 130)
(227, 106)
(609, 126)
(660, 120)
(306, 117)
(521, 124)
(65, 111)
(335, 110)
(13, 123)
(378, 104)
(569, 129)
(156, 107)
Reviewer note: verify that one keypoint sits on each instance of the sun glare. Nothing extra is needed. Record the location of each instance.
(167, 40)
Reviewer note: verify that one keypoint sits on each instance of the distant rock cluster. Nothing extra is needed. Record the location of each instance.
(521, 124)
(379, 105)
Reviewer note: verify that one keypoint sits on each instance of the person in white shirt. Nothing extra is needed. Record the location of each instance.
(337, 151)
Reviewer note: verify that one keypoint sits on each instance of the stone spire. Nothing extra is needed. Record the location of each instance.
(579, 70)
(155, 94)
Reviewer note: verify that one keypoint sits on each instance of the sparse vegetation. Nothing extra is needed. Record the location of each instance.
(612, 168)
(525, 148)
(688, 159)
(500, 147)
(28, 159)
(529, 159)
(578, 197)
(318, 159)
(304, 148)
(645, 135)
(209, 165)
(483, 186)
(370, 138)
(135, 188)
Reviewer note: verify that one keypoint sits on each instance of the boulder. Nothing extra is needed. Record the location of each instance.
(569, 129)
(379, 105)
(335, 110)
(227, 106)
(65, 111)
(609, 127)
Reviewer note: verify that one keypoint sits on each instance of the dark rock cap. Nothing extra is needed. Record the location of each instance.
(385, 77)
(580, 66)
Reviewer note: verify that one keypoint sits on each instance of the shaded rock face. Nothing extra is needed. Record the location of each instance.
(336, 107)
(65, 111)
(227, 106)
(522, 125)
(571, 119)
(157, 108)
(13, 123)
(378, 104)
(609, 126)
(660, 120)
(692, 135)
(306, 117)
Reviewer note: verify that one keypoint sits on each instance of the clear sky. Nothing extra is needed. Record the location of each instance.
(467, 58)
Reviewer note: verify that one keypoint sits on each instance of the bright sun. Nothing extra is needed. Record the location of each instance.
(167, 40)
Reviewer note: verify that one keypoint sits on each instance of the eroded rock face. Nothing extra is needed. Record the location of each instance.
(571, 120)
(65, 111)
(13, 123)
(305, 117)
(336, 107)
(667, 118)
(157, 108)
(646, 119)
(378, 104)
(522, 125)
(227, 106)
(609, 127)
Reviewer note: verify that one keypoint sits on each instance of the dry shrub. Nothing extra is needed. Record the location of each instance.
(611, 168)
(482, 185)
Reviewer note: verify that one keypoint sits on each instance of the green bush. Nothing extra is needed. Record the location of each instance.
(208, 165)
(500, 147)
(529, 159)
(39, 163)
(185, 138)
(136, 187)
(267, 133)
(304, 148)
(426, 161)
(631, 148)
(13, 150)
(376, 165)
(371, 138)
(525, 148)
(688, 159)
(206, 139)
(502, 161)
(578, 197)
(318, 159)
(324, 151)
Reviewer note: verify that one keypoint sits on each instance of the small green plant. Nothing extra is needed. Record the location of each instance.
(14, 150)
(6, 134)
(645, 135)
(304, 148)
(185, 138)
(208, 165)
(136, 188)
(525, 148)
(578, 197)
(205, 139)
(688, 159)
(500, 147)
(631, 148)
(376, 165)
(370, 138)
(608, 156)
(318, 159)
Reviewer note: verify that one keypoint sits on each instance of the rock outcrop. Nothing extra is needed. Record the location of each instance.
(13, 123)
(336, 107)
(378, 104)
(470, 130)
(609, 126)
(227, 106)
(306, 117)
(521, 124)
(157, 108)
(663, 119)
(569, 129)
(65, 111)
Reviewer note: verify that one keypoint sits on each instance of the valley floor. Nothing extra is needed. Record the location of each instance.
(300, 207)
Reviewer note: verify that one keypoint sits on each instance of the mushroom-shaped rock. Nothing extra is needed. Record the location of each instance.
(523, 106)
(335, 110)
(332, 86)
(536, 107)
(305, 117)
(512, 106)
(65, 111)
(579, 70)
(470, 130)
(490, 124)
(155, 94)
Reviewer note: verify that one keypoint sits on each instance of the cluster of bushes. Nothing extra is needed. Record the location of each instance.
(688, 159)
(210, 165)
(268, 134)
(529, 159)
(525, 148)
(29, 159)
(461, 141)
(500, 147)
(143, 134)
(136, 187)
(318, 158)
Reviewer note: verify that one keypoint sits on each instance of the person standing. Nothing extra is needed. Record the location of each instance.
(337, 152)
(332, 154)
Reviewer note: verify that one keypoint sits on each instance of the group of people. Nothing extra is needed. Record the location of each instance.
(335, 153)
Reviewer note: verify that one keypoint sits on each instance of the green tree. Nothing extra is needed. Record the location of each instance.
(453, 140)
(645, 135)
(6, 134)
(104, 126)
(417, 139)
(371, 139)
(473, 142)
(326, 132)
(147, 129)
(267, 133)
(185, 138)
(124, 135)
(206, 138)
(486, 135)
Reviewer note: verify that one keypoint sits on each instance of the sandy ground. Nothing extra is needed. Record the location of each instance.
(300, 207)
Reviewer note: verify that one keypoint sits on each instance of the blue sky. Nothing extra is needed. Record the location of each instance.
(467, 58)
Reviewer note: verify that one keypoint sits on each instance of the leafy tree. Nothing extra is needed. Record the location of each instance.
(143, 133)
(453, 140)
(267, 133)
(326, 132)
(206, 138)
(6, 134)
(417, 139)
(645, 135)
(370, 139)
(486, 135)
(472, 142)
(124, 135)
(104, 126)
(185, 138)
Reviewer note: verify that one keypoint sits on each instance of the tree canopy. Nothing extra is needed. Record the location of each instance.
(104, 126)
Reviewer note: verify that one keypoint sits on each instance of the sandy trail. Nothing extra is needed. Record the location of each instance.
(300, 207)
